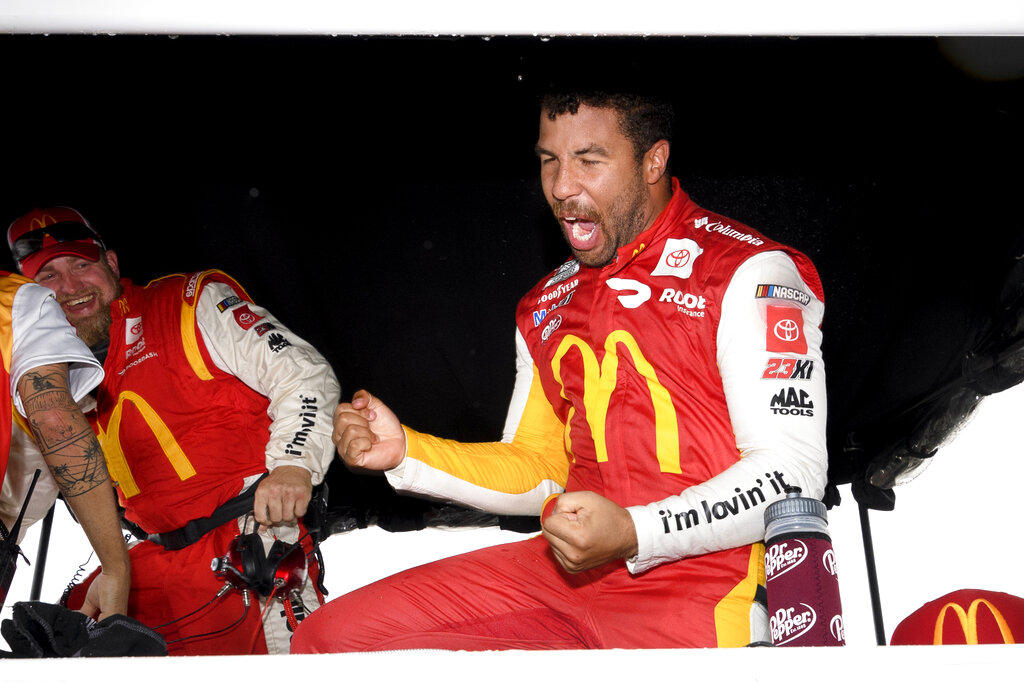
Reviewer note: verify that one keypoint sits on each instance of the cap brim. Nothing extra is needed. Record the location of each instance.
(31, 264)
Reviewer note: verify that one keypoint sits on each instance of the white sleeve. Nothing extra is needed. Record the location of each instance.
(297, 380)
(520, 390)
(42, 336)
(777, 405)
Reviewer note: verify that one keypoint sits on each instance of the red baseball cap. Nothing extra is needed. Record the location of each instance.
(44, 234)
(968, 616)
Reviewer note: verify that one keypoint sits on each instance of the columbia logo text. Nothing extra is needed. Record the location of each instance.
(727, 231)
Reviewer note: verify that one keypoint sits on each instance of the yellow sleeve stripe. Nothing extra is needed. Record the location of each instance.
(189, 335)
(535, 454)
(9, 285)
(508, 468)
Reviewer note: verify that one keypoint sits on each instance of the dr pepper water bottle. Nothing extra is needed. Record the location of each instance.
(800, 571)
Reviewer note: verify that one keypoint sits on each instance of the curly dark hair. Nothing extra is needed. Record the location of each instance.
(643, 119)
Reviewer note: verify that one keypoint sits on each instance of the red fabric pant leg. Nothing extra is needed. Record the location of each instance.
(176, 593)
(168, 586)
(509, 596)
(697, 602)
(516, 596)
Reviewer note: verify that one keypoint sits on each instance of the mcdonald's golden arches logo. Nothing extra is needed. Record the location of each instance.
(969, 621)
(42, 221)
(968, 616)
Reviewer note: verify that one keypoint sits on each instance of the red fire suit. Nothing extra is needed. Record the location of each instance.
(684, 381)
(198, 377)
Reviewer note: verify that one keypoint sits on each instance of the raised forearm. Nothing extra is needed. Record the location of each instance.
(73, 455)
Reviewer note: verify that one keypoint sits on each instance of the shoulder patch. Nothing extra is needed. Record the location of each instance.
(784, 332)
(245, 317)
(781, 292)
(228, 303)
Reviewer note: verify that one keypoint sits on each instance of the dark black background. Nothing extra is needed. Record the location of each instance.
(379, 194)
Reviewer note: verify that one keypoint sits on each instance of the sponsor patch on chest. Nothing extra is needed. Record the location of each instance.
(677, 258)
(134, 342)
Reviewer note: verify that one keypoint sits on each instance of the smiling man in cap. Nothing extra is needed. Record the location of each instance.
(46, 444)
(42, 235)
(197, 376)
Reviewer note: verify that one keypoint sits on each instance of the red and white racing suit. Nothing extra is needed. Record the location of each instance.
(683, 381)
(197, 378)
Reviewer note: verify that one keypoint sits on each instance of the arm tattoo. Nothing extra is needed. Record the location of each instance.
(64, 436)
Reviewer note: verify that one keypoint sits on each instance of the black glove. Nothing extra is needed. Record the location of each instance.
(121, 636)
(42, 629)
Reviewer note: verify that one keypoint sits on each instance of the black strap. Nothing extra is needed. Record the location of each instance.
(197, 528)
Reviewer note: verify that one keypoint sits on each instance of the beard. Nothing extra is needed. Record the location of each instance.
(625, 218)
(94, 330)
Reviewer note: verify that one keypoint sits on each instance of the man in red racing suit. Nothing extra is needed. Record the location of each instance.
(197, 377)
(669, 380)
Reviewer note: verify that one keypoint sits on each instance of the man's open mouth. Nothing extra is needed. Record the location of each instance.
(581, 232)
